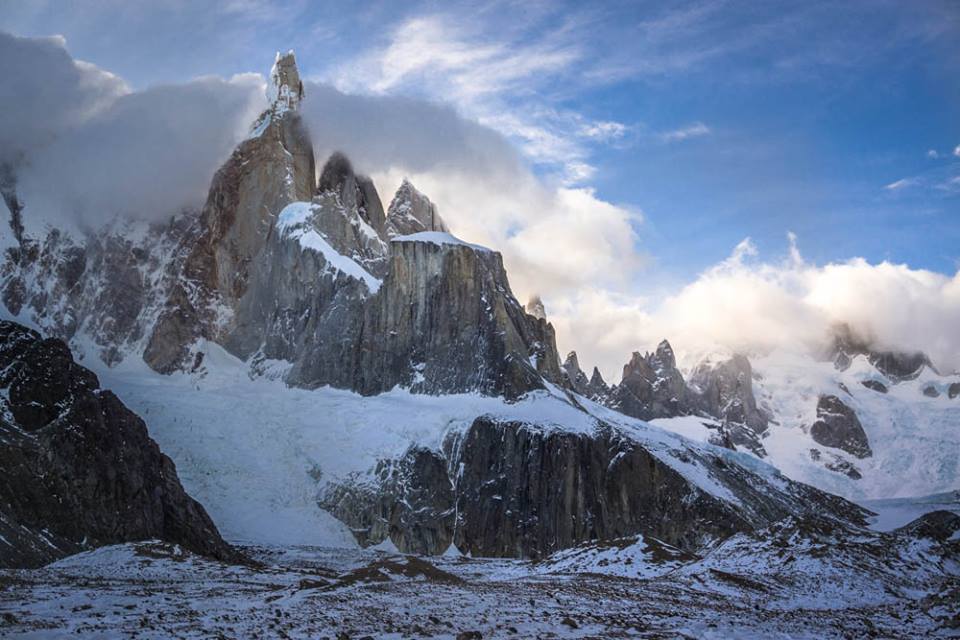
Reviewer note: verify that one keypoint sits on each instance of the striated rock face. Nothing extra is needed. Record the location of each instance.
(445, 321)
(412, 212)
(517, 490)
(652, 386)
(837, 426)
(269, 170)
(77, 468)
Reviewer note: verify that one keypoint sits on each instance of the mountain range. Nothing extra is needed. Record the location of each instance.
(325, 370)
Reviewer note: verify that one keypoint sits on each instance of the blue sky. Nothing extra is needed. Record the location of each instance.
(799, 114)
(701, 123)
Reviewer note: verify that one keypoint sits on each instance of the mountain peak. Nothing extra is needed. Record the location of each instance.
(535, 308)
(285, 89)
(411, 212)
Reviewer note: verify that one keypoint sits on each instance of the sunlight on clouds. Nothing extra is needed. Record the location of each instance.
(746, 305)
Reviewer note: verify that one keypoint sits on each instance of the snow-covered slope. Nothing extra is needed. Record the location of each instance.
(914, 436)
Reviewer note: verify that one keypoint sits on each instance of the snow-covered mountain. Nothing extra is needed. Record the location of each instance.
(324, 370)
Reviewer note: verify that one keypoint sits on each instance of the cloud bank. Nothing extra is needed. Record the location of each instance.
(752, 306)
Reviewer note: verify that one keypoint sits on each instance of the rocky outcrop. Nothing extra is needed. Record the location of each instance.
(837, 426)
(575, 376)
(412, 212)
(931, 391)
(652, 386)
(875, 385)
(938, 525)
(727, 392)
(519, 490)
(409, 501)
(77, 468)
(897, 366)
(953, 390)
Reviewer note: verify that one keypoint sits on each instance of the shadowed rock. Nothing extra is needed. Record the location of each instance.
(837, 426)
(875, 385)
(77, 468)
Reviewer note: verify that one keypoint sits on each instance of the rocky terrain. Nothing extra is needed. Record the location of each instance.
(77, 468)
(795, 579)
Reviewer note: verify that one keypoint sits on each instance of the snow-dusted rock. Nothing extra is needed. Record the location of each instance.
(412, 212)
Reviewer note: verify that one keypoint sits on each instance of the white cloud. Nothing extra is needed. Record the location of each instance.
(903, 183)
(499, 81)
(956, 151)
(933, 154)
(742, 304)
(693, 130)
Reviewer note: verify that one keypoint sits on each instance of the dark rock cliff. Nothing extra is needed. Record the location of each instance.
(517, 490)
(77, 468)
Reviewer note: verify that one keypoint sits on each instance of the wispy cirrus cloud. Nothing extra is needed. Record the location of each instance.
(900, 184)
(694, 130)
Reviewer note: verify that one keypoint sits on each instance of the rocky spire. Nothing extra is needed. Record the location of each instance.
(535, 308)
(412, 212)
(285, 90)
(576, 376)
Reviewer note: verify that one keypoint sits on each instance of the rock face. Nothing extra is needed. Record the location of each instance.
(445, 321)
(410, 501)
(110, 285)
(412, 212)
(837, 426)
(953, 390)
(517, 490)
(77, 468)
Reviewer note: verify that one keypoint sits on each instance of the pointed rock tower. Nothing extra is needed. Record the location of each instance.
(267, 171)
(412, 212)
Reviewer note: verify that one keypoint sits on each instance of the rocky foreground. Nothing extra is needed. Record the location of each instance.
(797, 581)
